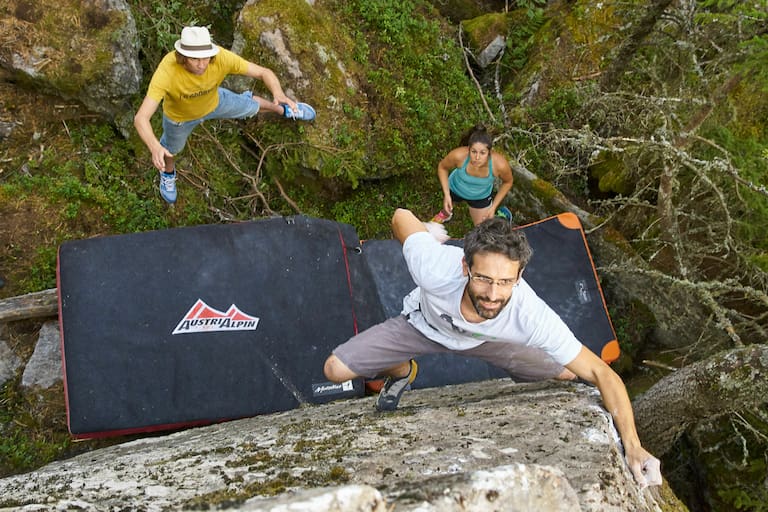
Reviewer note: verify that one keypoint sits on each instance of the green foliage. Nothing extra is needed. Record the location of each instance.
(625, 343)
(420, 101)
(159, 24)
(42, 273)
(742, 23)
(557, 109)
(746, 154)
(521, 36)
(737, 468)
(27, 441)
(744, 499)
(19, 453)
(96, 192)
(533, 8)
(760, 260)
(757, 54)
(519, 43)
(100, 181)
(391, 20)
(371, 207)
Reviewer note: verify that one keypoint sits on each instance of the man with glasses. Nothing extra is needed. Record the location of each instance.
(475, 302)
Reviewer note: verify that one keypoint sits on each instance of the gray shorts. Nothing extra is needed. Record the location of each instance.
(395, 341)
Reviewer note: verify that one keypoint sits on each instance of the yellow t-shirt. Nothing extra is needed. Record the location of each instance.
(187, 96)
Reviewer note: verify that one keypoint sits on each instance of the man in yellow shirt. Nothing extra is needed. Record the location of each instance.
(188, 83)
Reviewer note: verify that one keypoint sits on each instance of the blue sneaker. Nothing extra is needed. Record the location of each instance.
(168, 186)
(303, 112)
(503, 211)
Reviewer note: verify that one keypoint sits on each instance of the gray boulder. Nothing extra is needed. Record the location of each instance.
(493, 445)
(490, 52)
(44, 368)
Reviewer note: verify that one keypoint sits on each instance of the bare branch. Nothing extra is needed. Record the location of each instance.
(472, 74)
(285, 196)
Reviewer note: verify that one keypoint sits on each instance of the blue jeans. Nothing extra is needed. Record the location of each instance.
(231, 106)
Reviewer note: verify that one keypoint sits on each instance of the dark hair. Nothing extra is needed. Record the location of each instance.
(182, 59)
(477, 133)
(497, 235)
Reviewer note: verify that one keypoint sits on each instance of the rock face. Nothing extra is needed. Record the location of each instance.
(495, 445)
(86, 51)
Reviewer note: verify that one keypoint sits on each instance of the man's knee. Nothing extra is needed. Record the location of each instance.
(336, 371)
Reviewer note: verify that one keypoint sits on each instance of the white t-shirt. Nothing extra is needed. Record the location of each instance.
(434, 307)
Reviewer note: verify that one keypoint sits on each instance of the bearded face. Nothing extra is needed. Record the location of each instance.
(491, 281)
(485, 306)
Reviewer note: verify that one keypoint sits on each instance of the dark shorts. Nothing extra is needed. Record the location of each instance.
(480, 204)
(395, 341)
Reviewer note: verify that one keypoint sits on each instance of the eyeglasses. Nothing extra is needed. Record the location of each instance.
(488, 282)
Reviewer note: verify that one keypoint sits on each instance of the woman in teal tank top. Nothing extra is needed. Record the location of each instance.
(468, 173)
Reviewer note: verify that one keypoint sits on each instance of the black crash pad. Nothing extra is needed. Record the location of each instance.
(561, 272)
(195, 325)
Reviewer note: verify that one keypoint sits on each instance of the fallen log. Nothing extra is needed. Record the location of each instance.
(31, 305)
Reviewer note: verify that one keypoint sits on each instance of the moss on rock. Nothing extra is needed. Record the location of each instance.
(379, 113)
(484, 29)
(611, 174)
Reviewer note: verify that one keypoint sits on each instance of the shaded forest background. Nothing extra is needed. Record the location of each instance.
(649, 115)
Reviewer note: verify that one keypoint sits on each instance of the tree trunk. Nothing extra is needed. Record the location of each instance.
(32, 305)
(611, 77)
(668, 227)
(734, 380)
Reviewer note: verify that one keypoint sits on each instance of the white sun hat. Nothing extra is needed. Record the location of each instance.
(196, 43)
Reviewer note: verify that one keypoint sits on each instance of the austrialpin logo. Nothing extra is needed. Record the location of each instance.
(203, 318)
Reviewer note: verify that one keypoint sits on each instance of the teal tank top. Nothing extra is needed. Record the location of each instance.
(471, 187)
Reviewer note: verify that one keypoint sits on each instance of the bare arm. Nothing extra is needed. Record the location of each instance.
(443, 170)
(504, 172)
(141, 121)
(405, 223)
(644, 466)
(272, 83)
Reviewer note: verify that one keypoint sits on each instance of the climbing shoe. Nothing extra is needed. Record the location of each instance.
(393, 389)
